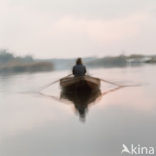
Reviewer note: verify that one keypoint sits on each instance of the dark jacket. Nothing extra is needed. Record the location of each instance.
(79, 70)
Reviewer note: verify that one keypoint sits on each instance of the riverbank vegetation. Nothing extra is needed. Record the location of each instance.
(12, 63)
(106, 62)
(122, 61)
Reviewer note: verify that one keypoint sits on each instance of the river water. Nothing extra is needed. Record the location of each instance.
(33, 124)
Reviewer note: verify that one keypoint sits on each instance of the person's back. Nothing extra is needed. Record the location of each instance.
(79, 69)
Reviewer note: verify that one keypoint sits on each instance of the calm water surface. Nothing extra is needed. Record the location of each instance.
(35, 125)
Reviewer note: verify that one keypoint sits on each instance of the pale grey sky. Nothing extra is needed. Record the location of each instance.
(67, 28)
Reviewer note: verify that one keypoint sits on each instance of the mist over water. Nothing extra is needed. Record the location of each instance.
(35, 125)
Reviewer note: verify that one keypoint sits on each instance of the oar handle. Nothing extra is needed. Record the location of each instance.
(48, 85)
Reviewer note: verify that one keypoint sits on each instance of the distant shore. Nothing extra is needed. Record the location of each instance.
(105, 62)
(122, 61)
(27, 67)
(14, 64)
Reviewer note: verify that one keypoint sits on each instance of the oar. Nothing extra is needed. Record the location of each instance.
(133, 85)
(111, 82)
(108, 81)
(48, 85)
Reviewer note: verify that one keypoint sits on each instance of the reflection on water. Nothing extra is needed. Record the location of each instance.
(81, 99)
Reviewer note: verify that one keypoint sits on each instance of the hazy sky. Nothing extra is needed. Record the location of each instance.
(72, 28)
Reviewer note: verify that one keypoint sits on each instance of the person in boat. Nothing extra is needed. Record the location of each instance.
(79, 69)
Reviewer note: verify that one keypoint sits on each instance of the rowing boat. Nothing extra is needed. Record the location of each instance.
(80, 83)
(82, 91)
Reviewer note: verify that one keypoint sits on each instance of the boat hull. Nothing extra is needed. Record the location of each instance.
(80, 83)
